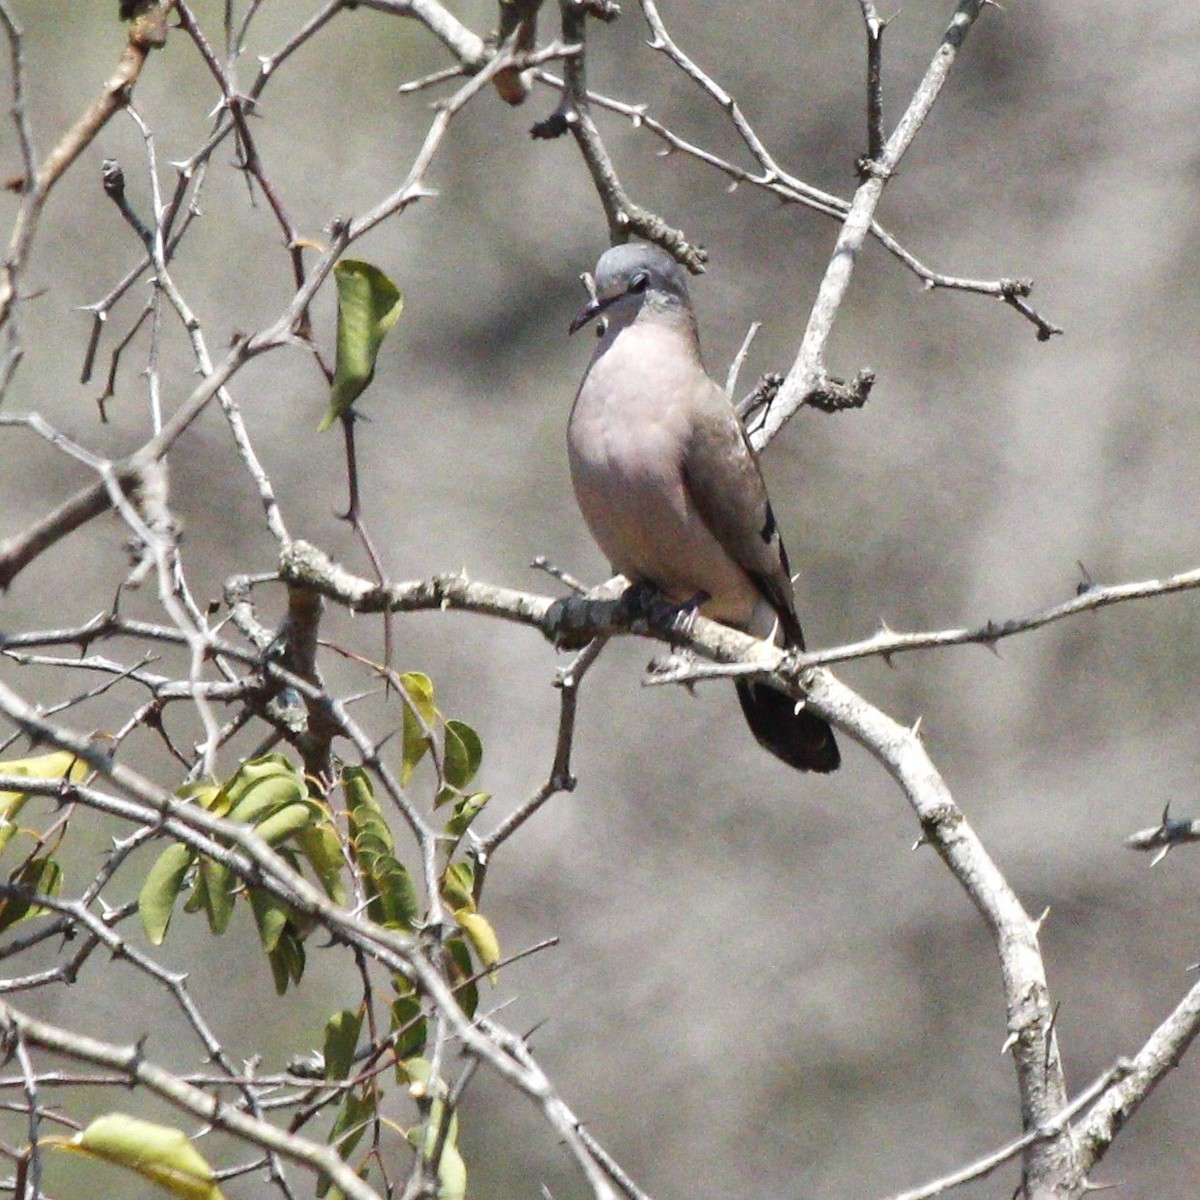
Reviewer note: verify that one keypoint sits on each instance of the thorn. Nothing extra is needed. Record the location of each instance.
(916, 727)
(1009, 1043)
(1087, 583)
(1166, 812)
(923, 840)
(1040, 921)
(1051, 1025)
(1160, 855)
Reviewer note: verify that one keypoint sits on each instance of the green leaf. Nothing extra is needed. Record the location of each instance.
(369, 304)
(465, 811)
(462, 972)
(391, 897)
(159, 1153)
(217, 896)
(207, 795)
(409, 1027)
(287, 960)
(262, 786)
(397, 905)
(356, 1114)
(40, 874)
(356, 782)
(62, 764)
(367, 827)
(458, 885)
(419, 715)
(341, 1040)
(270, 916)
(451, 1170)
(281, 824)
(321, 846)
(452, 1173)
(463, 754)
(197, 901)
(59, 765)
(482, 936)
(417, 1073)
(156, 900)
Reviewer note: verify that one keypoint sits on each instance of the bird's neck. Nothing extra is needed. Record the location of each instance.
(669, 321)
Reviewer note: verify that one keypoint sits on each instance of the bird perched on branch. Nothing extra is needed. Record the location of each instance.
(670, 487)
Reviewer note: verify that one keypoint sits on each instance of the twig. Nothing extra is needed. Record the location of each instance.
(132, 1062)
(560, 778)
(792, 190)
(1047, 1164)
(1053, 1128)
(808, 373)
(466, 46)
(875, 28)
(303, 563)
(1161, 837)
(146, 33)
(735, 367)
(574, 114)
(1145, 1071)
(887, 642)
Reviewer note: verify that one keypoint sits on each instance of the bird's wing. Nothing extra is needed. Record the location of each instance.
(726, 487)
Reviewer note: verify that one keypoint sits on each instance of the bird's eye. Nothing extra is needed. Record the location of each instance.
(639, 282)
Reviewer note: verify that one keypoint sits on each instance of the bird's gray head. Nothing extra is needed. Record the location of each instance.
(633, 275)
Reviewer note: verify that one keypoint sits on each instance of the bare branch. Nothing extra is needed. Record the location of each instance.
(146, 33)
(808, 372)
(1161, 837)
(132, 1063)
(1027, 998)
(1144, 1072)
(1054, 1128)
(624, 217)
(771, 177)
(875, 28)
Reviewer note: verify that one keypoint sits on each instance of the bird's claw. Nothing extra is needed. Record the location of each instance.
(643, 601)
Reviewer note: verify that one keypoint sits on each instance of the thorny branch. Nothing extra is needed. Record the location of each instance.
(808, 375)
(273, 678)
(147, 32)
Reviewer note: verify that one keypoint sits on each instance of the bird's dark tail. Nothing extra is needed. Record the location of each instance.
(800, 739)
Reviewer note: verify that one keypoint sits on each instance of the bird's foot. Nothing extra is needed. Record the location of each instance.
(646, 602)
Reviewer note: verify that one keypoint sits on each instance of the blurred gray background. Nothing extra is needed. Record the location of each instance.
(760, 989)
